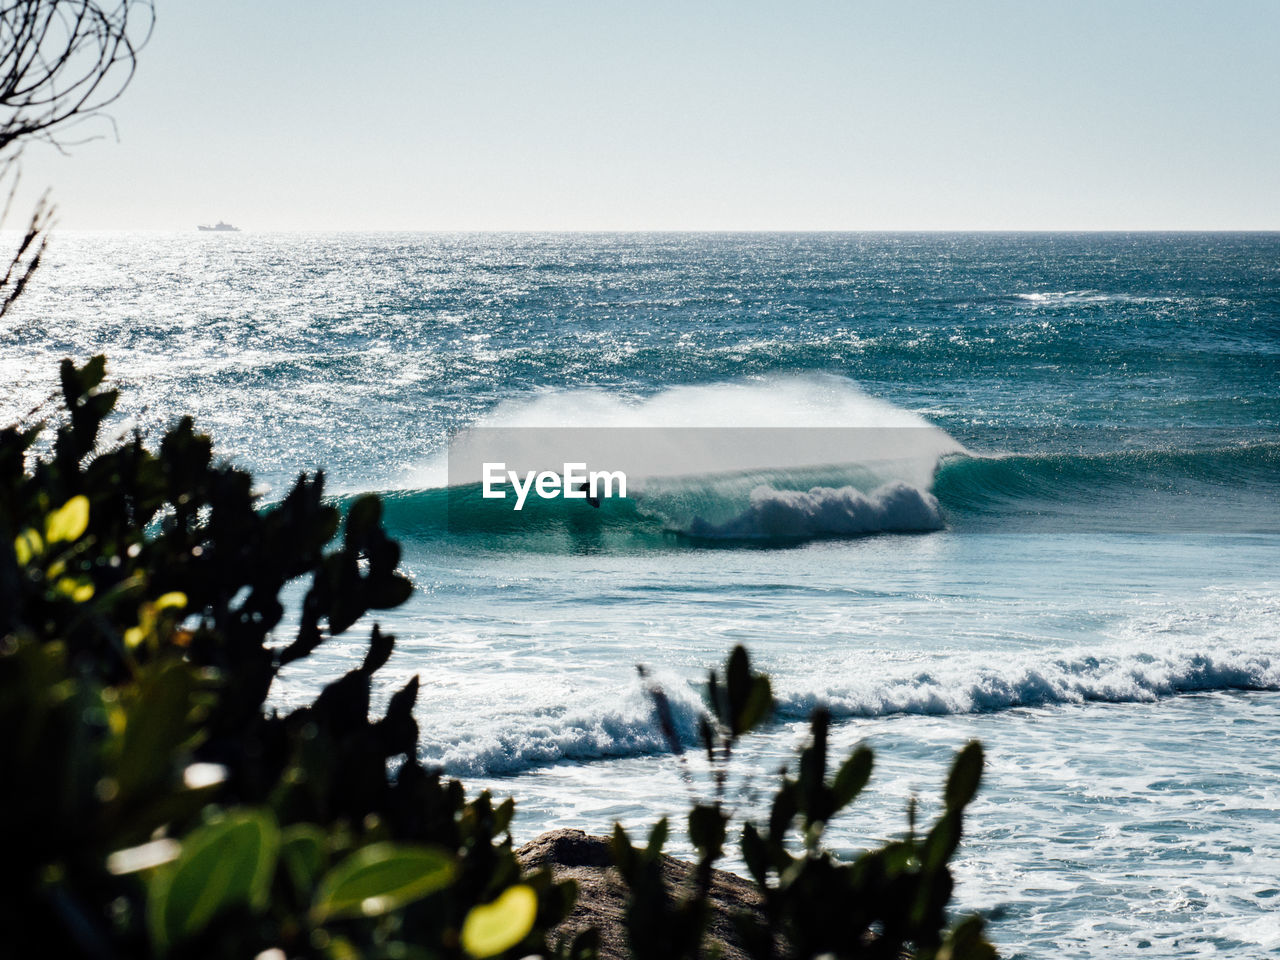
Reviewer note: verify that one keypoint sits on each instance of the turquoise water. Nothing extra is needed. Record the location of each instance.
(1095, 594)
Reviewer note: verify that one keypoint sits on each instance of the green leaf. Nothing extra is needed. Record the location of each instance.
(380, 647)
(159, 717)
(624, 854)
(302, 851)
(966, 942)
(755, 853)
(942, 841)
(380, 878)
(707, 828)
(657, 838)
(93, 372)
(758, 708)
(27, 545)
(364, 516)
(384, 594)
(503, 814)
(77, 382)
(493, 928)
(716, 697)
(226, 863)
(737, 675)
(852, 777)
(69, 521)
(812, 793)
(966, 773)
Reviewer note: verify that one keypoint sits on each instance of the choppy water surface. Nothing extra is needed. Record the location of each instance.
(1094, 593)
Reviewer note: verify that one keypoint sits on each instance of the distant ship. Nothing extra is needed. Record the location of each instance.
(219, 227)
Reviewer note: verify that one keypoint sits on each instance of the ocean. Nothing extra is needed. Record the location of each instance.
(1084, 575)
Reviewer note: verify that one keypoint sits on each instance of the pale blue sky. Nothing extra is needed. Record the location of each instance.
(608, 115)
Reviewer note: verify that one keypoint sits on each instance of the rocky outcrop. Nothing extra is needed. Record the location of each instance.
(602, 896)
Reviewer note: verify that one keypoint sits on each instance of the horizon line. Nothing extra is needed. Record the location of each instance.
(674, 230)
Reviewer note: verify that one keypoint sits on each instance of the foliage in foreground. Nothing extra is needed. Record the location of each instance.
(154, 806)
(887, 903)
(154, 802)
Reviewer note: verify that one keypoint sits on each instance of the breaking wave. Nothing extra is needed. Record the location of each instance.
(894, 472)
(773, 514)
(1212, 489)
(1083, 677)
(626, 726)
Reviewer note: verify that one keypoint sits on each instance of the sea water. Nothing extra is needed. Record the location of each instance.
(1095, 597)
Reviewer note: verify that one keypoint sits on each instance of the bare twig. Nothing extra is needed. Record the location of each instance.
(31, 248)
(61, 63)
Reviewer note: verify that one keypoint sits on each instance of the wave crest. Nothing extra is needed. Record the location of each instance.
(625, 725)
(619, 726)
(1085, 678)
(771, 514)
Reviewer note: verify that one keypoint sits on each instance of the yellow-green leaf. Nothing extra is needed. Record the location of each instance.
(492, 928)
(69, 521)
(174, 598)
(380, 878)
(27, 545)
(78, 589)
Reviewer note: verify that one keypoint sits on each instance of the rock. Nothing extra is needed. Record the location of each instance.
(602, 896)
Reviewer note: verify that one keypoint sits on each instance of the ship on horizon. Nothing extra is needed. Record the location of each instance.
(220, 227)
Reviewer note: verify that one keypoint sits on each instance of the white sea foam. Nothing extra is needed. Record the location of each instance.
(1219, 640)
(643, 435)
(972, 685)
(626, 724)
(616, 725)
(815, 400)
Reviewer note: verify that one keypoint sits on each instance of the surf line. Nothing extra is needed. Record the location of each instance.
(575, 482)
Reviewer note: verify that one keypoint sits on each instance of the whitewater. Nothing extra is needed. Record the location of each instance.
(1016, 487)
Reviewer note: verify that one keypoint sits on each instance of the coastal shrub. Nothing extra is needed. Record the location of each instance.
(887, 903)
(156, 804)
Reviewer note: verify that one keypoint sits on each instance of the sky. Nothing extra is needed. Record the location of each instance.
(603, 115)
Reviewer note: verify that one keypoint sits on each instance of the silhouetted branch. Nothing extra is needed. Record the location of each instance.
(61, 63)
(31, 248)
